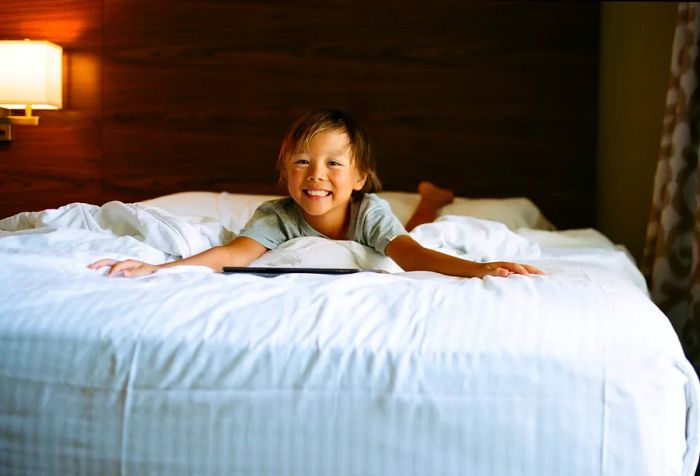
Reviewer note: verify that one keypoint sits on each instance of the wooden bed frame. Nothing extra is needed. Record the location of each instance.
(488, 98)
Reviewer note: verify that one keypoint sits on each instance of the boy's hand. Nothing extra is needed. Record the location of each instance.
(506, 268)
(129, 268)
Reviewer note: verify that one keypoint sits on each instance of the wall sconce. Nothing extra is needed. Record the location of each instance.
(31, 74)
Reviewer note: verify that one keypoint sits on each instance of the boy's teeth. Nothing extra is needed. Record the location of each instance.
(318, 193)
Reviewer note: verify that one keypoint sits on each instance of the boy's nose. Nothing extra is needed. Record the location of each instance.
(316, 172)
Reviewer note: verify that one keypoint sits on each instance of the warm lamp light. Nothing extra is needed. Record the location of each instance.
(30, 78)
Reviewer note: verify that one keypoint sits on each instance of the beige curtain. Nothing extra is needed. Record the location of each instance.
(672, 251)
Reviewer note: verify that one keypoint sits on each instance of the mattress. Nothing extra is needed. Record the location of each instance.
(188, 371)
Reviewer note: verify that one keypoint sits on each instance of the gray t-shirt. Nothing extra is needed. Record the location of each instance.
(372, 223)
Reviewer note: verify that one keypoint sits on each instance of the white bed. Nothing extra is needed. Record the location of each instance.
(192, 372)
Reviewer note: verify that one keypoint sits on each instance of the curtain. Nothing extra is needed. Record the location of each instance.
(671, 259)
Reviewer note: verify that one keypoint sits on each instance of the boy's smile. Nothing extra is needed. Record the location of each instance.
(315, 193)
(321, 182)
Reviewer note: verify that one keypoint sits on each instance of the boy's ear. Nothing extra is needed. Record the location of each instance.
(360, 182)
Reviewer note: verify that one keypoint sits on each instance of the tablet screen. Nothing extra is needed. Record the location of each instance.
(274, 271)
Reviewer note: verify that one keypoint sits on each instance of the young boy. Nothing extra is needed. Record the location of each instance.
(326, 164)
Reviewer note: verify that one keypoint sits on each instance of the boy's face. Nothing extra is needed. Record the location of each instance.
(322, 179)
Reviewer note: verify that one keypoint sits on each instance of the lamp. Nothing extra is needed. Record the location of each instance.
(30, 78)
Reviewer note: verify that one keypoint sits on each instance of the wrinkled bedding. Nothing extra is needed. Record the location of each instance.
(188, 371)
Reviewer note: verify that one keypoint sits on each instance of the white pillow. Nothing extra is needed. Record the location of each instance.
(204, 204)
(234, 209)
(515, 213)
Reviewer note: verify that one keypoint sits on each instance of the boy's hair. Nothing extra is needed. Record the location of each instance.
(307, 126)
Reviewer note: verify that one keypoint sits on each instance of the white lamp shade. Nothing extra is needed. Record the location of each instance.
(31, 73)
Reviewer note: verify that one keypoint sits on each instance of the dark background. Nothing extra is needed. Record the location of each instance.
(489, 98)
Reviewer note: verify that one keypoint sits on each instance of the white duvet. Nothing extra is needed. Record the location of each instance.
(121, 230)
(189, 371)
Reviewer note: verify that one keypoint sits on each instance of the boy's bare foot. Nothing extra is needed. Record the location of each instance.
(432, 198)
(434, 195)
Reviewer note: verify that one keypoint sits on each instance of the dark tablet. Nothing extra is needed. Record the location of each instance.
(274, 271)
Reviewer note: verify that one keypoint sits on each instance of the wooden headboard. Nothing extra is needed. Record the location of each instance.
(488, 98)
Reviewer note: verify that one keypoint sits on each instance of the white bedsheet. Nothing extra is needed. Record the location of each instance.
(193, 372)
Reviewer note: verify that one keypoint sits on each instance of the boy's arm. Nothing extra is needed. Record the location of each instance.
(240, 252)
(411, 256)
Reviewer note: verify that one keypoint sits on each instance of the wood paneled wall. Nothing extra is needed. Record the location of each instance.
(489, 98)
(60, 161)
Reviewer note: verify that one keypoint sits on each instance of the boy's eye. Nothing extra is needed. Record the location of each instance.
(334, 163)
(301, 161)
